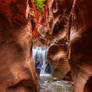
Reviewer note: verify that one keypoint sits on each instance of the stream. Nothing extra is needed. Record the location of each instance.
(46, 81)
(50, 85)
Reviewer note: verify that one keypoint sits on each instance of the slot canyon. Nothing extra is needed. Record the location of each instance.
(55, 32)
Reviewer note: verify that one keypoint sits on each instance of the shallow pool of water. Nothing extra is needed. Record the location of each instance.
(55, 85)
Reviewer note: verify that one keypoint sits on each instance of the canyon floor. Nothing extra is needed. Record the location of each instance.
(50, 84)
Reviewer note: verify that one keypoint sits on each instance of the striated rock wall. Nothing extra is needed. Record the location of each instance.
(76, 37)
(17, 73)
(58, 50)
(53, 31)
(81, 45)
(70, 27)
(66, 28)
(58, 55)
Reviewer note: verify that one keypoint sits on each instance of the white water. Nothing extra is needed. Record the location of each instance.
(47, 82)
(41, 54)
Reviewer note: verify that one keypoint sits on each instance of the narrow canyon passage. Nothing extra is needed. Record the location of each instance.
(48, 82)
(45, 45)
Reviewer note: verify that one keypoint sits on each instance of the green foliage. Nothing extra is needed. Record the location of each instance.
(39, 5)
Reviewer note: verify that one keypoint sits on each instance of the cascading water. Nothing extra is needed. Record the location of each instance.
(47, 84)
(41, 54)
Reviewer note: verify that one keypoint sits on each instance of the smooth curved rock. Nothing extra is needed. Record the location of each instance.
(80, 53)
(81, 45)
(17, 73)
(52, 28)
(58, 50)
(58, 55)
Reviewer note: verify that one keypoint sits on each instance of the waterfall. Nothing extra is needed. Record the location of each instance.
(41, 54)
(47, 82)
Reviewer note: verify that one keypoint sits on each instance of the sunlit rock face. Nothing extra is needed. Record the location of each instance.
(58, 51)
(53, 30)
(81, 45)
(80, 51)
(58, 55)
(17, 72)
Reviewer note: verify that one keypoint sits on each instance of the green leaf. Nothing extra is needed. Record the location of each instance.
(40, 5)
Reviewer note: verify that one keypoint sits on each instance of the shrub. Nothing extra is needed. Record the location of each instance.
(39, 5)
